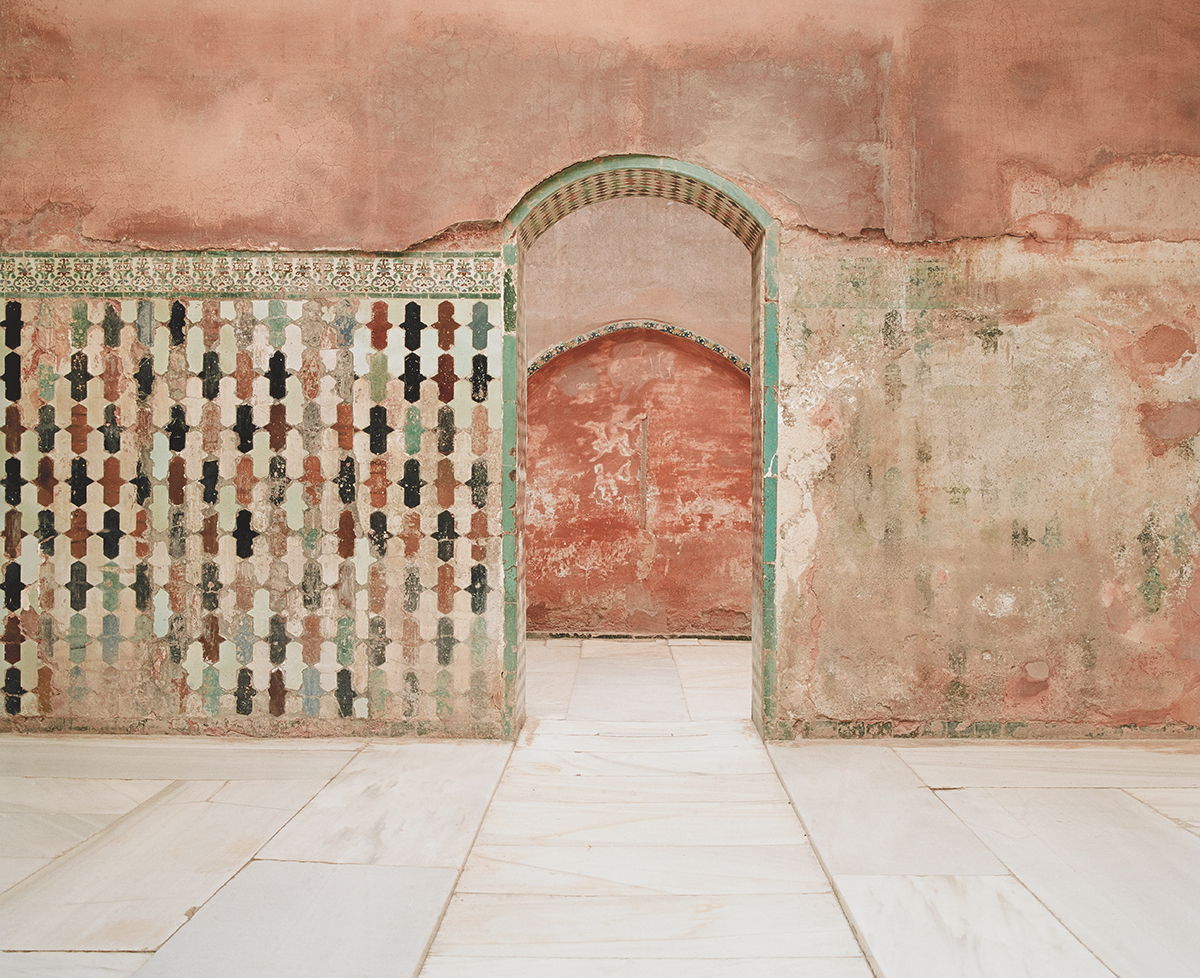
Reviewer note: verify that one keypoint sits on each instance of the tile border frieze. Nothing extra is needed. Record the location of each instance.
(235, 274)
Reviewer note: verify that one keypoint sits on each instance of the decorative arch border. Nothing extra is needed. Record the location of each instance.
(626, 324)
(610, 178)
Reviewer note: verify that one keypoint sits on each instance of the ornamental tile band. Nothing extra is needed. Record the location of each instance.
(262, 515)
(228, 275)
(652, 324)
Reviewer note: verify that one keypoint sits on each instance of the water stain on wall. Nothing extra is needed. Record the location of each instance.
(638, 476)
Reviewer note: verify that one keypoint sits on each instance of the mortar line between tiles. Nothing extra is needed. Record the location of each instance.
(687, 706)
(350, 755)
(171, 787)
(859, 937)
(1024, 886)
(463, 865)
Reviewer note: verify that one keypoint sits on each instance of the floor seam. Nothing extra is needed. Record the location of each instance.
(1025, 886)
(463, 865)
(859, 937)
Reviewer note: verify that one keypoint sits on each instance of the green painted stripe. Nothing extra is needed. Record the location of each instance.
(770, 503)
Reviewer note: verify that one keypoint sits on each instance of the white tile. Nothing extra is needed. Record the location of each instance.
(169, 758)
(43, 836)
(641, 685)
(632, 702)
(868, 813)
(41, 818)
(607, 648)
(1122, 877)
(1181, 805)
(962, 927)
(709, 704)
(618, 822)
(310, 920)
(713, 671)
(548, 687)
(12, 871)
(288, 796)
(1056, 765)
(678, 789)
(456, 967)
(64, 795)
(696, 737)
(777, 925)
(618, 870)
(398, 805)
(72, 964)
(650, 729)
(719, 760)
(132, 885)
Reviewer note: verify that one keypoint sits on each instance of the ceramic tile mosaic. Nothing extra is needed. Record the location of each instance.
(253, 513)
(651, 324)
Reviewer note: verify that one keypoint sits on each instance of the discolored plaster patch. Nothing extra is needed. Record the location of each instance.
(1167, 426)
(638, 489)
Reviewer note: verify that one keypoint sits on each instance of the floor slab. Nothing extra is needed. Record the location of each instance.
(868, 813)
(1122, 877)
(33, 835)
(491, 967)
(720, 760)
(1171, 764)
(12, 871)
(962, 927)
(1181, 805)
(73, 964)
(310, 920)
(678, 789)
(587, 870)
(74, 797)
(632, 824)
(536, 926)
(132, 885)
(397, 805)
(169, 758)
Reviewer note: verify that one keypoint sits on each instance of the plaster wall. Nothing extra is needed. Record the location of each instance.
(638, 490)
(988, 488)
(637, 258)
(222, 124)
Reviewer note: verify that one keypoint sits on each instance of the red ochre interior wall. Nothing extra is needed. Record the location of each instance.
(638, 482)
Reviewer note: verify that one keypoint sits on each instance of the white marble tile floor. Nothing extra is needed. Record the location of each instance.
(638, 829)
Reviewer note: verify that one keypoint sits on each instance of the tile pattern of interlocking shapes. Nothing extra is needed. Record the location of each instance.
(253, 514)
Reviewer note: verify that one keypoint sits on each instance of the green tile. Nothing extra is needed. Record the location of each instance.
(769, 637)
(770, 430)
(770, 343)
(770, 502)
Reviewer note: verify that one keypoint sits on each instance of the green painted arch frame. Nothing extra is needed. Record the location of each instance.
(610, 178)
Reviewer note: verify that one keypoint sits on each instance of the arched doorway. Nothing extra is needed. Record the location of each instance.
(641, 176)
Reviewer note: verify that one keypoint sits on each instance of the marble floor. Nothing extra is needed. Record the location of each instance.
(639, 827)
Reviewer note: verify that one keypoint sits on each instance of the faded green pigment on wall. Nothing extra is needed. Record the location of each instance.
(988, 512)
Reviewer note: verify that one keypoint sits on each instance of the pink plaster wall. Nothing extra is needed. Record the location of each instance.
(637, 258)
(638, 490)
(989, 509)
(375, 125)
